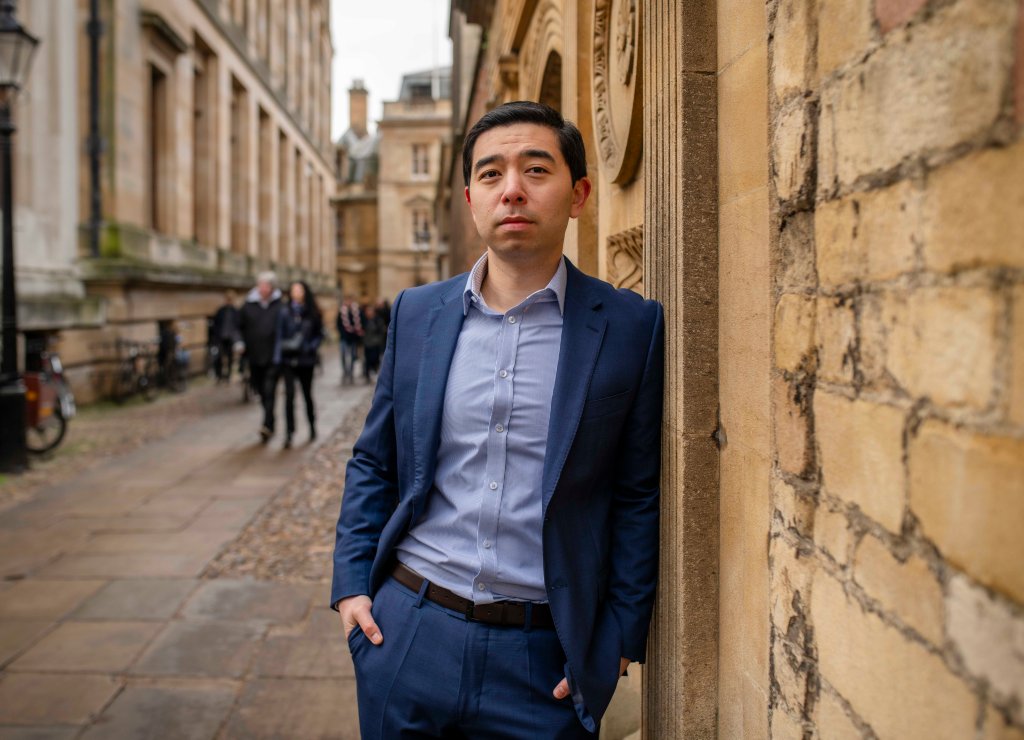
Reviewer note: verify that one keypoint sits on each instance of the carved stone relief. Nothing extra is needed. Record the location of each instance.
(626, 259)
(618, 92)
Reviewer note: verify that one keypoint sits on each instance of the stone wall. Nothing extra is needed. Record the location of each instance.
(895, 555)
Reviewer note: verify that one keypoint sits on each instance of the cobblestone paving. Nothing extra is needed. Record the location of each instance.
(288, 539)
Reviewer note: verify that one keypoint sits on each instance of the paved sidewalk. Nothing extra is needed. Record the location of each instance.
(107, 629)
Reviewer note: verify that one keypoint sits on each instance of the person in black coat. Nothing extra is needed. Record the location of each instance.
(258, 324)
(225, 333)
(300, 329)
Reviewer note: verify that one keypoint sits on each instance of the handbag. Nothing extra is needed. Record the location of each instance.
(291, 345)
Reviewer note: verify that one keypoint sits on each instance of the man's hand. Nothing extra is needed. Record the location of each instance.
(562, 689)
(355, 613)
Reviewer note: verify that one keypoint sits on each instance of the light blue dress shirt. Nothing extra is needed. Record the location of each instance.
(480, 535)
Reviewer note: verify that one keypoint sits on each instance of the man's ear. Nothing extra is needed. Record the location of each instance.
(467, 196)
(580, 193)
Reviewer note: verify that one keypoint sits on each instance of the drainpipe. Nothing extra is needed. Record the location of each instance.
(94, 30)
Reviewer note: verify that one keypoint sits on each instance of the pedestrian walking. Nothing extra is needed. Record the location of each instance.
(497, 546)
(300, 329)
(375, 333)
(349, 324)
(226, 333)
(258, 326)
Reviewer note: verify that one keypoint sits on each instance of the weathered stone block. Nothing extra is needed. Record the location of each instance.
(919, 93)
(791, 673)
(791, 575)
(46, 698)
(785, 727)
(832, 721)
(988, 636)
(893, 13)
(909, 589)
(793, 153)
(861, 446)
(791, 49)
(967, 491)
(98, 647)
(792, 430)
(795, 508)
(997, 728)
(974, 212)
(793, 260)
(844, 33)
(869, 236)
(835, 337)
(900, 689)
(832, 533)
(942, 343)
(1017, 358)
(794, 330)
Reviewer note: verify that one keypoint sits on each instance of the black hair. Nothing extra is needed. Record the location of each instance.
(570, 140)
(310, 309)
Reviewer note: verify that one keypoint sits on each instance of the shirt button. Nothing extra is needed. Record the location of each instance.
(499, 428)
(480, 587)
(511, 319)
(494, 485)
(487, 544)
(503, 373)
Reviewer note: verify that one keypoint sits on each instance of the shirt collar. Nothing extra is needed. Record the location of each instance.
(475, 282)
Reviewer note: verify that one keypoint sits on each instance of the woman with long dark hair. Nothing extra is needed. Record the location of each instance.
(300, 329)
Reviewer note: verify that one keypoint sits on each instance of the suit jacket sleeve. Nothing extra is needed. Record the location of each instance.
(371, 485)
(633, 561)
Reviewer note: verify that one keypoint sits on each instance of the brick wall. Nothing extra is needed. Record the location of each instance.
(896, 549)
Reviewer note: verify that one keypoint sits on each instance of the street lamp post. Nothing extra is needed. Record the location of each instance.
(17, 47)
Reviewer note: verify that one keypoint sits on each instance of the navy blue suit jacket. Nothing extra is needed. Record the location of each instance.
(601, 469)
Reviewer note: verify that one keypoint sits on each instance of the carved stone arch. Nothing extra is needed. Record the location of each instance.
(543, 43)
(551, 82)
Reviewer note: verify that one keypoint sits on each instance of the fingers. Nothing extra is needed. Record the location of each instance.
(561, 690)
(355, 612)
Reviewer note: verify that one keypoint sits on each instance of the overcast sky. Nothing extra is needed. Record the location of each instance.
(380, 40)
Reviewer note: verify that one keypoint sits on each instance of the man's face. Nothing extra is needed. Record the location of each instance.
(520, 191)
(265, 289)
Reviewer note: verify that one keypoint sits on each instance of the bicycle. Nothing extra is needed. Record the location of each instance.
(50, 404)
(136, 374)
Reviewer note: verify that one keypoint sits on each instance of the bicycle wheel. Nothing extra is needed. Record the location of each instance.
(47, 434)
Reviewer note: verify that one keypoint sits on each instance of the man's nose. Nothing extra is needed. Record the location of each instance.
(513, 192)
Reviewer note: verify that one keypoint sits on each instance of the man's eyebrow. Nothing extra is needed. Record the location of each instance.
(484, 161)
(538, 154)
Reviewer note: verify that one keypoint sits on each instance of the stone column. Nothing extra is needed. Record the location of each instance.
(681, 270)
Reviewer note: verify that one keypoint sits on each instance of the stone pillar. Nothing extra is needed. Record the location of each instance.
(681, 270)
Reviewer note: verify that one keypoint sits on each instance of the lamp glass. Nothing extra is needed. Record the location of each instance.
(17, 49)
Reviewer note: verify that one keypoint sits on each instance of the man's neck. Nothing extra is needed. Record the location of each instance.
(506, 284)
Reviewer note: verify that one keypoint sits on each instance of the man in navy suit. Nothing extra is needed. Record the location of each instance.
(497, 547)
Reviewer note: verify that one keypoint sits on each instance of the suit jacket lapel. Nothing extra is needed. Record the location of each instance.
(442, 335)
(583, 330)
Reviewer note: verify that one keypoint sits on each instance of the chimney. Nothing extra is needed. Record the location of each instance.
(357, 107)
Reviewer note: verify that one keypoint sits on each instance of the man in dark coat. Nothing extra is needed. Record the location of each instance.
(258, 319)
(225, 334)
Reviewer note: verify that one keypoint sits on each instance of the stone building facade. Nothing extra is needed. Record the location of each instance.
(829, 201)
(413, 131)
(216, 163)
(355, 202)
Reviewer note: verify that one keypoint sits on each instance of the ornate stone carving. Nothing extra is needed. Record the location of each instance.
(626, 259)
(617, 87)
(508, 71)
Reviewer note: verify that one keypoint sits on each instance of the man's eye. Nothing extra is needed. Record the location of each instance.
(537, 170)
(488, 174)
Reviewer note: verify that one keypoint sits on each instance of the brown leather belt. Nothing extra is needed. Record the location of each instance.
(506, 613)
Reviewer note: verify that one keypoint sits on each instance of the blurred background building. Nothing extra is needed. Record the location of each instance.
(355, 203)
(213, 161)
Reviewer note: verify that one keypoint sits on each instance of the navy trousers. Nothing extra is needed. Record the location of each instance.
(438, 675)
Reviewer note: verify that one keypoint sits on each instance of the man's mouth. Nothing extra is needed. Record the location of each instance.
(513, 220)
